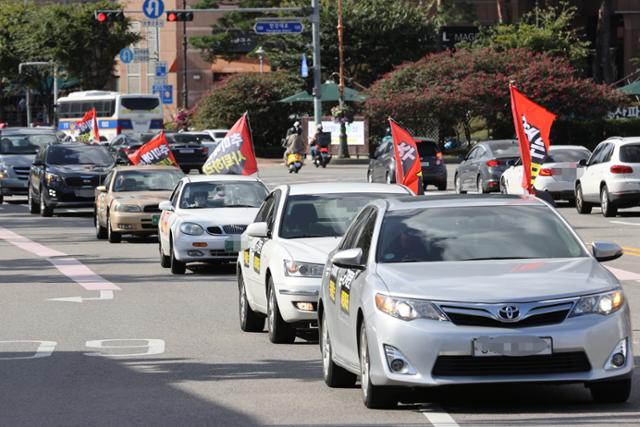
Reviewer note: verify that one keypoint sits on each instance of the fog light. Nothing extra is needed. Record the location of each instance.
(304, 306)
(618, 357)
(397, 362)
(194, 253)
(52, 193)
(396, 365)
(199, 244)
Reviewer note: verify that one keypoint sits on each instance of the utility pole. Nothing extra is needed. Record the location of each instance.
(185, 47)
(317, 76)
(344, 147)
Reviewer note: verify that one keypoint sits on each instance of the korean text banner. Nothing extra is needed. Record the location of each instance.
(533, 126)
(155, 152)
(408, 167)
(234, 154)
(89, 123)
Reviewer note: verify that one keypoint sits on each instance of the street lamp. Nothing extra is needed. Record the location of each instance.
(344, 148)
(260, 52)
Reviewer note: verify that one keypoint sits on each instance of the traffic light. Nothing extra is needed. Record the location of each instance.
(176, 16)
(109, 16)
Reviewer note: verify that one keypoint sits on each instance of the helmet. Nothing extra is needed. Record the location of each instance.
(296, 124)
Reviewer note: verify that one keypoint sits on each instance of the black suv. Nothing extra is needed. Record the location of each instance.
(66, 175)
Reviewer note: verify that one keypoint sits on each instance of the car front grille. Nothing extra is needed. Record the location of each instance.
(534, 320)
(557, 363)
(21, 172)
(152, 209)
(234, 229)
(215, 230)
(76, 181)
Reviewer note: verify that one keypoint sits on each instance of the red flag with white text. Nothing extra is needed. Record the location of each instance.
(234, 155)
(408, 167)
(533, 126)
(155, 152)
(89, 123)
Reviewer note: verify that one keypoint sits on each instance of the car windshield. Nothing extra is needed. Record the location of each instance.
(147, 180)
(505, 149)
(219, 134)
(182, 138)
(228, 194)
(427, 149)
(323, 215)
(630, 153)
(475, 233)
(25, 144)
(567, 155)
(140, 104)
(79, 155)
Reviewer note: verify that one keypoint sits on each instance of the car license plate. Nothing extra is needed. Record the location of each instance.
(85, 193)
(512, 346)
(232, 244)
(187, 151)
(155, 219)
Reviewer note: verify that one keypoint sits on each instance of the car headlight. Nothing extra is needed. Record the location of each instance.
(604, 303)
(191, 229)
(127, 208)
(408, 309)
(302, 269)
(52, 178)
(3, 173)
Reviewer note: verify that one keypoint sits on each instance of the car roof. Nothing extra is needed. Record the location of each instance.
(567, 147)
(143, 167)
(37, 131)
(218, 178)
(623, 140)
(343, 187)
(461, 201)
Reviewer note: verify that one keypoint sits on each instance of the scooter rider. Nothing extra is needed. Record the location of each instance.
(315, 139)
(295, 143)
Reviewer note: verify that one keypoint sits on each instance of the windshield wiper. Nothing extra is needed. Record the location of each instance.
(306, 236)
(496, 258)
(239, 206)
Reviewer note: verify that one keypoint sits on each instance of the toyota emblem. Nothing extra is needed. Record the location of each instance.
(509, 312)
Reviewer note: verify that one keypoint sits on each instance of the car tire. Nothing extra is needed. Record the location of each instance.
(503, 188)
(458, 185)
(34, 208)
(334, 375)
(45, 210)
(374, 397)
(387, 178)
(280, 332)
(581, 206)
(617, 391)
(177, 266)
(369, 176)
(101, 232)
(112, 236)
(250, 321)
(165, 261)
(480, 185)
(609, 209)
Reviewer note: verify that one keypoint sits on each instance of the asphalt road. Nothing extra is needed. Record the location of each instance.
(150, 348)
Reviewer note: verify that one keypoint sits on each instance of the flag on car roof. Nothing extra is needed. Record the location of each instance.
(408, 167)
(533, 126)
(89, 123)
(155, 152)
(234, 155)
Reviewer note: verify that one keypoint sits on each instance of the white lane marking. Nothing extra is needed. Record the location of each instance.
(28, 244)
(153, 346)
(625, 223)
(624, 274)
(439, 418)
(45, 348)
(104, 295)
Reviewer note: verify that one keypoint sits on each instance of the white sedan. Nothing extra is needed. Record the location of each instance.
(203, 220)
(556, 177)
(284, 251)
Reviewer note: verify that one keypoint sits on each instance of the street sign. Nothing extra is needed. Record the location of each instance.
(161, 69)
(278, 27)
(126, 55)
(164, 91)
(153, 23)
(140, 54)
(153, 9)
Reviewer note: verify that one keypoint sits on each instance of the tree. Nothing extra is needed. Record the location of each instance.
(602, 68)
(256, 94)
(378, 36)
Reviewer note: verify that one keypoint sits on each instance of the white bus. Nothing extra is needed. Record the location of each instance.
(117, 113)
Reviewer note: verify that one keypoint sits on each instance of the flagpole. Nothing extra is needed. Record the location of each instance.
(253, 147)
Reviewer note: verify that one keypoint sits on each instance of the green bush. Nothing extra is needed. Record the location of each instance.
(590, 133)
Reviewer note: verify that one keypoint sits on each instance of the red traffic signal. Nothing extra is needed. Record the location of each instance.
(176, 16)
(109, 16)
(101, 17)
(172, 17)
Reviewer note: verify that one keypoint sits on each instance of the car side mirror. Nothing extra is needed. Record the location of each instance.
(606, 251)
(348, 258)
(582, 163)
(258, 229)
(165, 206)
(101, 189)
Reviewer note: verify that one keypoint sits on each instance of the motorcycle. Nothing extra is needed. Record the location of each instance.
(322, 157)
(294, 162)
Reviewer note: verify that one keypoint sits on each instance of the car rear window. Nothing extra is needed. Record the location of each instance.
(505, 149)
(427, 149)
(568, 155)
(182, 138)
(140, 104)
(630, 153)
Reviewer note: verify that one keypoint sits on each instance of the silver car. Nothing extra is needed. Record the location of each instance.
(471, 290)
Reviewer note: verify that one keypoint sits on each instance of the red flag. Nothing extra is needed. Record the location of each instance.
(408, 167)
(234, 155)
(533, 126)
(89, 123)
(155, 152)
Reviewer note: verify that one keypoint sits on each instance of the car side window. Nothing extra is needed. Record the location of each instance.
(271, 215)
(366, 234)
(264, 210)
(175, 194)
(480, 153)
(607, 153)
(351, 236)
(473, 153)
(595, 156)
(108, 179)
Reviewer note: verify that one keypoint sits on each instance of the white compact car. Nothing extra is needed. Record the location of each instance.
(203, 220)
(610, 178)
(285, 249)
(556, 177)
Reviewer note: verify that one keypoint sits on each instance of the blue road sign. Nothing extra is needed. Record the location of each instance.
(304, 68)
(161, 69)
(153, 9)
(165, 92)
(126, 55)
(278, 27)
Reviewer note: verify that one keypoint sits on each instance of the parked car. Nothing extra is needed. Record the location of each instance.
(434, 171)
(483, 166)
(459, 290)
(557, 174)
(124, 144)
(610, 178)
(128, 201)
(217, 134)
(18, 149)
(66, 176)
(204, 218)
(205, 138)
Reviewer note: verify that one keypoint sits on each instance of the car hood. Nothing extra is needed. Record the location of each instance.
(313, 249)
(498, 280)
(220, 216)
(79, 169)
(20, 160)
(142, 197)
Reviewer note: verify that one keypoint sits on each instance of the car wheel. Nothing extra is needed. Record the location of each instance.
(45, 210)
(503, 188)
(177, 266)
(112, 236)
(374, 397)
(610, 391)
(34, 208)
(387, 178)
(334, 375)
(458, 185)
(369, 176)
(608, 208)
(480, 185)
(280, 332)
(581, 206)
(250, 321)
(101, 232)
(165, 260)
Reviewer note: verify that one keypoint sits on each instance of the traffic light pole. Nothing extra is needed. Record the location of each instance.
(185, 48)
(317, 75)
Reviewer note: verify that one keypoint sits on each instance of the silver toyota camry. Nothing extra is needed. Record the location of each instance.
(451, 290)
